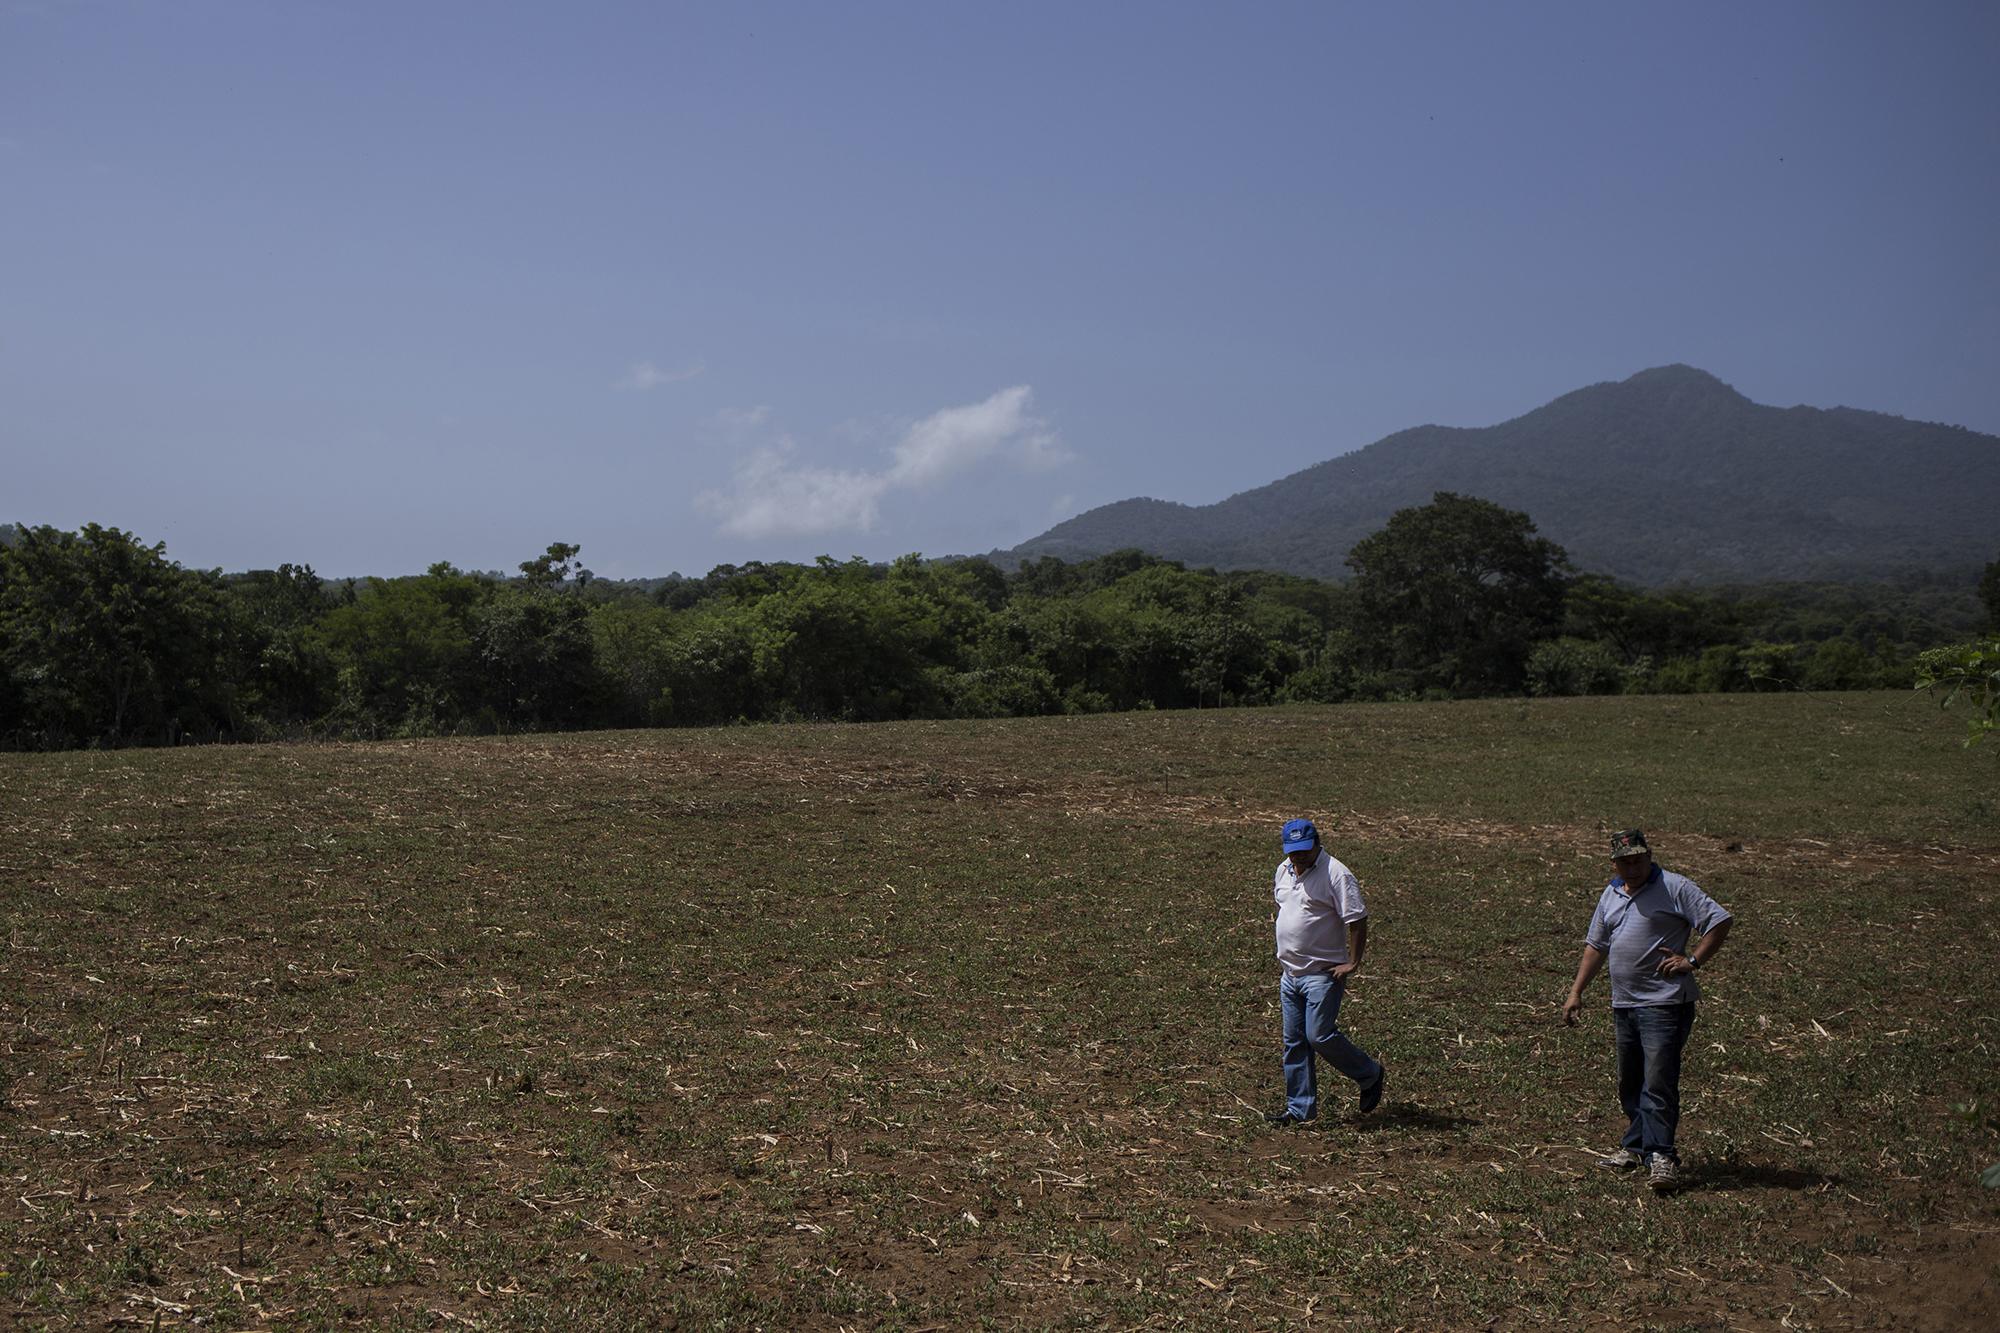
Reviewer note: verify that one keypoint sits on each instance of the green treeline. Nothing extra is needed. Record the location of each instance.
(106, 641)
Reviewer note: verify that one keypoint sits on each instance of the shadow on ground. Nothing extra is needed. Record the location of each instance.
(1753, 1176)
(1408, 1116)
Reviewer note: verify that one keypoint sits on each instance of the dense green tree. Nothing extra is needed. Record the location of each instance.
(736, 583)
(1116, 566)
(979, 579)
(288, 678)
(536, 656)
(1769, 667)
(1289, 604)
(106, 641)
(835, 642)
(630, 646)
(554, 567)
(1223, 656)
(404, 653)
(1069, 639)
(1459, 590)
(1837, 664)
(1719, 670)
(1314, 639)
(1636, 623)
(1148, 610)
(533, 645)
(706, 668)
(1989, 595)
(1018, 690)
(1046, 576)
(288, 597)
(948, 606)
(1567, 666)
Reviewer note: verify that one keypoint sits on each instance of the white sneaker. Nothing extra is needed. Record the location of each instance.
(1662, 1173)
(1623, 1159)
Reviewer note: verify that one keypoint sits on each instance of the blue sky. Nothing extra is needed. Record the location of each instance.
(369, 286)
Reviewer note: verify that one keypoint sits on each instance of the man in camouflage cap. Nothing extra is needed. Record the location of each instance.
(1643, 920)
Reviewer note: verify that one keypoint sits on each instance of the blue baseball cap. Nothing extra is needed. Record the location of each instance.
(1301, 836)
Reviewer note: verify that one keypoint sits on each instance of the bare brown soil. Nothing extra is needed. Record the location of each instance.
(515, 1034)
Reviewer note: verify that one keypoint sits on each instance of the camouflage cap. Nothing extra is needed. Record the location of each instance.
(1629, 842)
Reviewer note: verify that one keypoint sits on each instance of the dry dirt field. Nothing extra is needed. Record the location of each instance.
(974, 1025)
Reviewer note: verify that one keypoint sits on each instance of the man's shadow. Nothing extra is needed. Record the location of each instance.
(1405, 1116)
(1724, 1177)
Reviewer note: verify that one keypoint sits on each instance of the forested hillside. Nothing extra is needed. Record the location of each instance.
(1668, 477)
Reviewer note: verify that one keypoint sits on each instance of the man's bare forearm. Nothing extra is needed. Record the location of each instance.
(1711, 943)
(1587, 967)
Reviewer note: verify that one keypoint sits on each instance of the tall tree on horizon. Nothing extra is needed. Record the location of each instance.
(1456, 593)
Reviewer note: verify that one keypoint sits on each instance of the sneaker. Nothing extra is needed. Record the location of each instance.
(1624, 1159)
(1283, 1118)
(1371, 1095)
(1663, 1173)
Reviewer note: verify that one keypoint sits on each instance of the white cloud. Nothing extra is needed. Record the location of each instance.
(645, 376)
(774, 494)
(958, 437)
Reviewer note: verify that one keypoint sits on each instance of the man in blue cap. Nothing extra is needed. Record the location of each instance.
(1322, 933)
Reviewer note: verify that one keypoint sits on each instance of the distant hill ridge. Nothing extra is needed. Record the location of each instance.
(1670, 476)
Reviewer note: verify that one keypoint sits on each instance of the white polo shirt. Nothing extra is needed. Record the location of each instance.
(1314, 911)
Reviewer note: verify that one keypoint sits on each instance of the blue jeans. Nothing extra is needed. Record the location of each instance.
(1650, 1040)
(1311, 1004)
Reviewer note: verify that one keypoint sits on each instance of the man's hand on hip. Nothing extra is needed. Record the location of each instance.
(1673, 964)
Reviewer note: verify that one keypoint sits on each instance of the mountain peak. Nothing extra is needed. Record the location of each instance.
(1682, 379)
(1720, 474)
(1676, 374)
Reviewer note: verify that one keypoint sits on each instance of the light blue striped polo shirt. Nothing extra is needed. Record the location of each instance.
(1635, 931)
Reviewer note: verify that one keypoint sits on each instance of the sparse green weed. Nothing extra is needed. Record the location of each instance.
(972, 1024)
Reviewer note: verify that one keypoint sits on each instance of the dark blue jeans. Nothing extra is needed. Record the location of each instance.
(1650, 1040)
(1311, 1004)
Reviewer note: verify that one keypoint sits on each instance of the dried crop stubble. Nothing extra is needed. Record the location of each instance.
(940, 1022)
